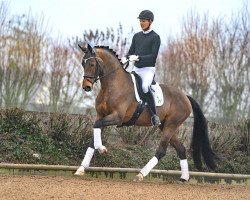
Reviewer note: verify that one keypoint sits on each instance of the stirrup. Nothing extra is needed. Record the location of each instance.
(155, 120)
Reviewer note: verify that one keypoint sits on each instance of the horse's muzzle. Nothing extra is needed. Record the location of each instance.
(87, 85)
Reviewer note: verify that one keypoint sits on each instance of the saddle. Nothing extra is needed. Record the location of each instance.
(154, 88)
(140, 97)
(138, 85)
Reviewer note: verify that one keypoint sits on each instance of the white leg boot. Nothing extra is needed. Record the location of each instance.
(184, 171)
(86, 161)
(145, 170)
(98, 141)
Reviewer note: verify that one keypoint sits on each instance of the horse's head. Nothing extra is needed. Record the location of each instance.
(91, 66)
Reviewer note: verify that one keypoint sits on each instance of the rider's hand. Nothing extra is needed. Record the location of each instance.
(124, 60)
(133, 58)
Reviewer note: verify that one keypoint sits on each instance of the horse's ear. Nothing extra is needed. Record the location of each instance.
(83, 48)
(90, 48)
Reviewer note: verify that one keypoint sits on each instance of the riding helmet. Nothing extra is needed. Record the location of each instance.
(146, 14)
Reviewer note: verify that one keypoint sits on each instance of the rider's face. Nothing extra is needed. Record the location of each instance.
(144, 24)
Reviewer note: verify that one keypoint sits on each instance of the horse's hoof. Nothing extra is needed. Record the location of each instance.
(80, 171)
(182, 181)
(138, 178)
(103, 150)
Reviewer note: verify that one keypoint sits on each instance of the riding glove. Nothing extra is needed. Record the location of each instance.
(133, 58)
(124, 60)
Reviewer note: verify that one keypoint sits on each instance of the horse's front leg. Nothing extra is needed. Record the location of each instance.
(96, 141)
(108, 120)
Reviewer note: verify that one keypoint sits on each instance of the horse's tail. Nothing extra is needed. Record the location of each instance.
(200, 142)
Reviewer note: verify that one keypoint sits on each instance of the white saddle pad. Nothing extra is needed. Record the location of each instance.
(156, 90)
(157, 93)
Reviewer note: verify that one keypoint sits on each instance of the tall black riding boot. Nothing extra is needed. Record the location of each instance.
(155, 120)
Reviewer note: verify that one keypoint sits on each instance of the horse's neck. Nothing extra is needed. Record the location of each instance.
(114, 77)
(111, 69)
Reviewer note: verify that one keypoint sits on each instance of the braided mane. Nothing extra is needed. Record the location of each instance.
(110, 50)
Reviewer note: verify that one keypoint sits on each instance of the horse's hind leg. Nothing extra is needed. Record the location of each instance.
(168, 132)
(181, 151)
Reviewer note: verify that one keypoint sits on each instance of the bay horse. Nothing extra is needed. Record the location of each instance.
(116, 103)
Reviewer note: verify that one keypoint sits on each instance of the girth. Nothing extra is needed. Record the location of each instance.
(140, 105)
(135, 116)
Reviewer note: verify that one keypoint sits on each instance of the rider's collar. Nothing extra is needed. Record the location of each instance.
(148, 31)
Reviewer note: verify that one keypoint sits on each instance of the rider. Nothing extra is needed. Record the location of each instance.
(144, 51)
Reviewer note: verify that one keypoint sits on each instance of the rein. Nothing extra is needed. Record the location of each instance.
(96, 77)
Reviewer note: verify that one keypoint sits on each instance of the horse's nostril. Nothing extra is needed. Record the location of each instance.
(88, 89)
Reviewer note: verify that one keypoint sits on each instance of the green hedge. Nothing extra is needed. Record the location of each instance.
(59, 138)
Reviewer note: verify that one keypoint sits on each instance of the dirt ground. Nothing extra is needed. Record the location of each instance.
(75, 188)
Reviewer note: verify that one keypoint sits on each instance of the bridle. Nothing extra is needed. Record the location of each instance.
(97, 76)
(97, 71)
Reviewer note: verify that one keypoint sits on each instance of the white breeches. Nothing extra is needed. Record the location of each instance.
(147, 76)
